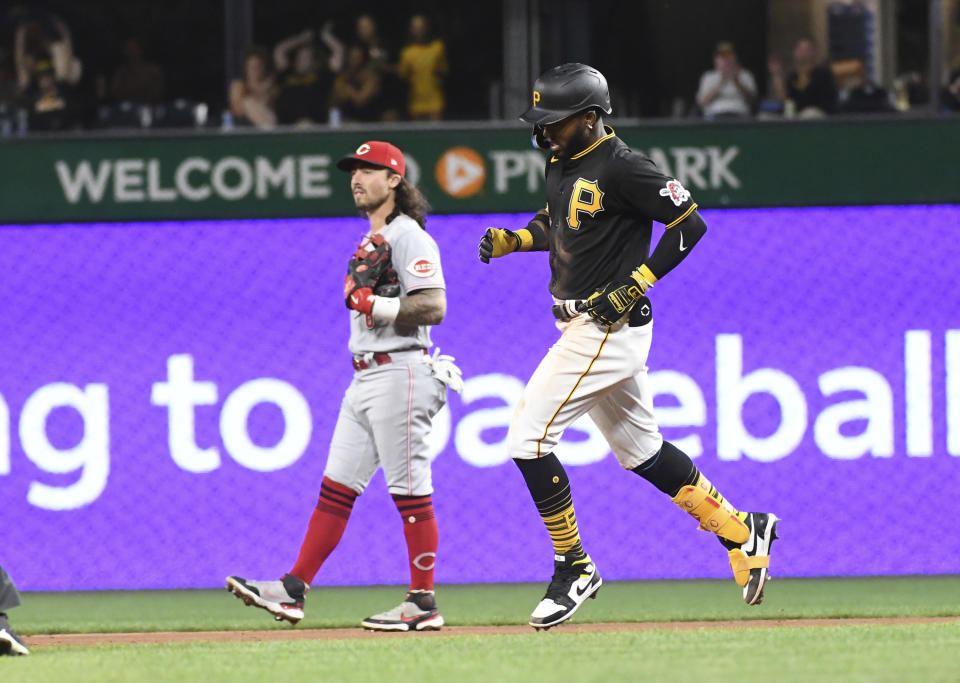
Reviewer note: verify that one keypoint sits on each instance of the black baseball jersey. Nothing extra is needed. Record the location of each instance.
(602, 203)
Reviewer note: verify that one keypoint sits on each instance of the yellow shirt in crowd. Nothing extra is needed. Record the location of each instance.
(423, 66)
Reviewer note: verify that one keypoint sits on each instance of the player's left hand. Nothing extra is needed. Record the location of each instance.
(612, 301)
(444, 370)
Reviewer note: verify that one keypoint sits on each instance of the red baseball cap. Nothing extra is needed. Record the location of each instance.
(375, 153)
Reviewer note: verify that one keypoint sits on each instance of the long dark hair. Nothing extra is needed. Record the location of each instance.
(410, 200)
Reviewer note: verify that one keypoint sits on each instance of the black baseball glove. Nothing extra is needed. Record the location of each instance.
(369, 269)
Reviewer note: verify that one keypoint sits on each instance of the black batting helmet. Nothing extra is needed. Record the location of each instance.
(566, 90)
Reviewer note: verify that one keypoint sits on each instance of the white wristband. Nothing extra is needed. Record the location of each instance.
(386, 308)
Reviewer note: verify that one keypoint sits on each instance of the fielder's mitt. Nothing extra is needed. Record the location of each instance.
(370, 269)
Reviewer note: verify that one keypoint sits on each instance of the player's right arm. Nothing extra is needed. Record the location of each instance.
(497, 242)
(648, 194)
(422, 307)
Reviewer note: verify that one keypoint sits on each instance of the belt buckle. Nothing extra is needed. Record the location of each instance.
(363, 361)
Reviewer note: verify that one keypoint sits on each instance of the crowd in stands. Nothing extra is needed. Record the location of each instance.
(319, 77)
(313, 77)
(810, 88)
(38, 81)
(41, 75)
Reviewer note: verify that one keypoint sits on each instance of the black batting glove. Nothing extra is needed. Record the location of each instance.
(615, 299)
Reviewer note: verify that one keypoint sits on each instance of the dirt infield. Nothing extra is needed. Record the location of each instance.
(168, 637)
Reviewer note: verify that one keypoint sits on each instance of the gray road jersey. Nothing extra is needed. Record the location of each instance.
(416, 259)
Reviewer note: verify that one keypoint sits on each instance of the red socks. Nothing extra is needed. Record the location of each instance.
(330, 519)
(420, 530)
(325, 529)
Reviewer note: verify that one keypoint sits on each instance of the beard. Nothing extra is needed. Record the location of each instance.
(367, 203)
(579, 141)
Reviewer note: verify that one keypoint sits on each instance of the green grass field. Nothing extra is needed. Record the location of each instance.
(896, 652)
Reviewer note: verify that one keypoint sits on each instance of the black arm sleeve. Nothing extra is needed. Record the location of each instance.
(676, 242)
(534, 236)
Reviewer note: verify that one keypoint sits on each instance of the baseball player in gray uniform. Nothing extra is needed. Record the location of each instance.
(395, 291)
(10, 643)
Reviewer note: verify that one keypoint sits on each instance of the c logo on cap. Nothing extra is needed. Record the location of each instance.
(536, 97)
(363, 149)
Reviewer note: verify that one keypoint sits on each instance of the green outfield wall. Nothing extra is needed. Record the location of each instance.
(468, 169)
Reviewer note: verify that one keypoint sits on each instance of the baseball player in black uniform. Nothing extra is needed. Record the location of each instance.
(602, 199)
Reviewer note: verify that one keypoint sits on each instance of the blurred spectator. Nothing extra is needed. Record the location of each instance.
(368, 35)
(423, 64)
(356, 90)
(951, 93)
(137, 80)
(305, 81)
(252, 98)
(333, 45)
(334, 48)
(808, 90)
(9, 93)
(728, 90)
(50, 102)
(859, 94)
(43, 37)
(391, 88)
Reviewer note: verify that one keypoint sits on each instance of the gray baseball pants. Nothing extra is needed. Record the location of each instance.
(384, 420)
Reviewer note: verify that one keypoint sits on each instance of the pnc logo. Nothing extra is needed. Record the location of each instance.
(536, 97)
(586, 197)
(461, 172)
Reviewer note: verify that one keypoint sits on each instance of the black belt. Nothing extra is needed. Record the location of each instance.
(639, 315)
(568, 309)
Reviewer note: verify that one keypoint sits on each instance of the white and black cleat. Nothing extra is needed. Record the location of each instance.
(417, 612)
(573, 582)
(10, 643)
(283, 599)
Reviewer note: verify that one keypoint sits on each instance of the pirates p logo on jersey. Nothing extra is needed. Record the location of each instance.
(586, 196)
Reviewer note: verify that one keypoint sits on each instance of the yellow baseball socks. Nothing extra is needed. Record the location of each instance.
(550, 489)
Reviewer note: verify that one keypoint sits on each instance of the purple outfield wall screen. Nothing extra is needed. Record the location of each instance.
(168, 392)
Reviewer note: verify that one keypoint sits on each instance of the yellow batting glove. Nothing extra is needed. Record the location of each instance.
(497, 242)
